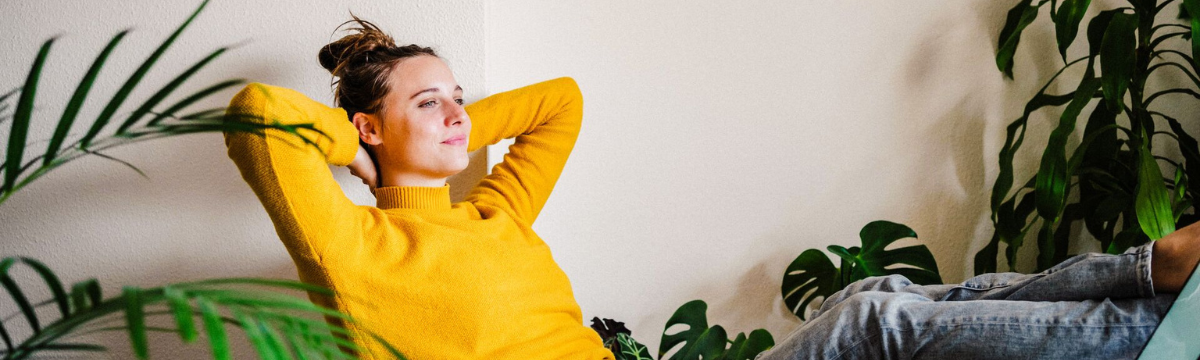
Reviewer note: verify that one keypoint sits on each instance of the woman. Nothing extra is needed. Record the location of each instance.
(437, 280)
(471, 280)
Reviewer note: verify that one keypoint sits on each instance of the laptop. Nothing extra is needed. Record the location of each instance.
(1178, 335)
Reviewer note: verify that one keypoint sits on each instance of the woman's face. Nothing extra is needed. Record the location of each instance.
(425, 128)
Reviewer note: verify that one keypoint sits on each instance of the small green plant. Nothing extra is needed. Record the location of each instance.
(698, 341)
(811, 275)
(1123, 199)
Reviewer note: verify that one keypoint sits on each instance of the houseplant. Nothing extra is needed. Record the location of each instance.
(1112, 181)
(811, 275)
(279, 326)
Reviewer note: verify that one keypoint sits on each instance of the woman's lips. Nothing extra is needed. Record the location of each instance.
(456, 140)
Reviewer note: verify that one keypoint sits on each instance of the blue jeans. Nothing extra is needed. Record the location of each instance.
(1092, 306)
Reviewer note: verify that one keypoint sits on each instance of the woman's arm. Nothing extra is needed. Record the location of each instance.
(545, 119)
(291, 178)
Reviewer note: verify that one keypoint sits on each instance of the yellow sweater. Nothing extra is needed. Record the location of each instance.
(437, 280)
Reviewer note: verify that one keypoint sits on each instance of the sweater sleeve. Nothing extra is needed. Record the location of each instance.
(291, 178)
(545, 119)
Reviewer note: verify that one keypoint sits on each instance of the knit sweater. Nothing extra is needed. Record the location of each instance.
(469, 280)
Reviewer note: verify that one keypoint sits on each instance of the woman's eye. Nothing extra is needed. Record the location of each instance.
(428, 103)
(459, 101)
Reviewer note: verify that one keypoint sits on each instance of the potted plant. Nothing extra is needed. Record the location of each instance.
(1123, 198)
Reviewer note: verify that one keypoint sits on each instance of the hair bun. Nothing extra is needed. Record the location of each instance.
(354, 48)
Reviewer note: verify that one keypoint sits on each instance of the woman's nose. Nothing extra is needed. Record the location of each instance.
(456, 115)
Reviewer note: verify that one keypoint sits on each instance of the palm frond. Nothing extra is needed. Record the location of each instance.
(76, 102)
(123, 93)
(63, 147)
(21, 118)
(279, 326)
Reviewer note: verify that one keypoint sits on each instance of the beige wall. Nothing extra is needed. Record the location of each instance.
(721, 138)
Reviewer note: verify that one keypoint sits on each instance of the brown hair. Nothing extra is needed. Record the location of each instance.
(361, 63)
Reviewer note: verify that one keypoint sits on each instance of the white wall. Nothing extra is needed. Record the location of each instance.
(721, 138)
(194, 217)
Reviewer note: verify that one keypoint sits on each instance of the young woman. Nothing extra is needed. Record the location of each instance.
(471, 280)
(468, 280)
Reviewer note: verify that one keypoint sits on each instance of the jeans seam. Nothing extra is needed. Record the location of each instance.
(842, 353)
(1145, 282)
(928, 326)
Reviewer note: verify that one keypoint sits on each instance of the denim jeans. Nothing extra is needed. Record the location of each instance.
(1091, 306)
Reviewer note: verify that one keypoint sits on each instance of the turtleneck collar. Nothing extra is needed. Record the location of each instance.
(413, 197)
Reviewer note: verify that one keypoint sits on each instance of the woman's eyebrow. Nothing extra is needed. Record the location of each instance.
(456, 88)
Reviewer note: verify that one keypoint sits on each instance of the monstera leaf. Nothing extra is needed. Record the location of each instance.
(874, 260)
(812, 274)
(708, 343)
(809, 277)
(747, 348)
(699, 340)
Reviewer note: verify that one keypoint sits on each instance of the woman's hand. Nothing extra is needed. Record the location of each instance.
(363, 168)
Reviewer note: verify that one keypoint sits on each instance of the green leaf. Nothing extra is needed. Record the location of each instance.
(1019, 17)
(274, 340)
(1015, 238)
(85, 294)
(387, 346)
(255, 335)
(1118, 57)
(195, 97)
(985, 259)
(1193, 7)
(8, 343)
(1124, 240)
(1066, 23)
(291, 333)
(747, 348)
(123, 93)
(166, 90)
(214, 328)
(692, 314)
(265, 300)
(1046, 246)
(810, 276)
(1016, 136)
(18, 296)
(1190, 150)
(875, 260)
(273, 283)
(135, 319)
(73, 347)
(21, 118)
(709, 345)
(76, 102)
(183, 313)
(630, 349)
(1153, 202)
(1053, 176)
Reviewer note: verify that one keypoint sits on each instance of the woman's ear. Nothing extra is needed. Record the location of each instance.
(368, 128)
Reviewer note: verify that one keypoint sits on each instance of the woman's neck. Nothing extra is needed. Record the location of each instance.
(412, 180)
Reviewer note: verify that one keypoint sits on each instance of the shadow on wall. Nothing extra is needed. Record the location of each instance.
(947, 200)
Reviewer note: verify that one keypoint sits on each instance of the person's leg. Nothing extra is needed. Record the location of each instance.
(900, 325)
(1083, 277)
(1066, 311)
